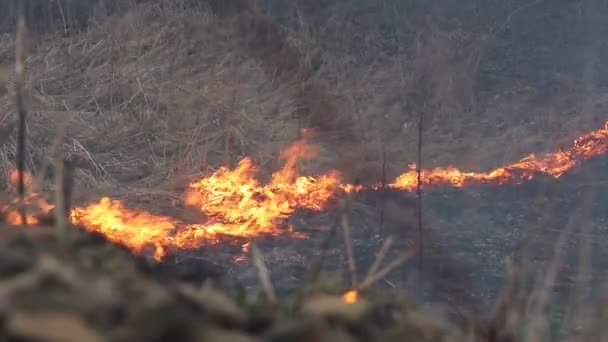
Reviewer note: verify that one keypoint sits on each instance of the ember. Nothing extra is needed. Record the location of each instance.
(350, 297)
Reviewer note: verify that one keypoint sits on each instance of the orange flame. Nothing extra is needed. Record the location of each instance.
(234, 201)
(33, 202)
(350, 297)
(240, 205)
(133, 228)
(554, 164)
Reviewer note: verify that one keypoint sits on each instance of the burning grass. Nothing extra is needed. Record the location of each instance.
(235, 204)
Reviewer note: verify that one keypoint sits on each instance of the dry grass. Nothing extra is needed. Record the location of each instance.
(150, 105)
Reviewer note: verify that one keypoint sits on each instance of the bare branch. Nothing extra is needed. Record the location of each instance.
(263, 274)
(19, 91)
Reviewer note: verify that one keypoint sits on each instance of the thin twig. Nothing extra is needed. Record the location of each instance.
(400, 260)
(65, 25)
(547, 283)
(60, 201)
(380, 257)
(20, 89)
(317, 264)
(419, 187)
(516, 11)
(53, 153)
(506, 299)
(383, 187)
(348, 243)
(263, 274)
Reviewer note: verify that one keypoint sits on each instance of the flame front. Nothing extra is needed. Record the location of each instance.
(237, 205)
(234, 201)
(554, 164)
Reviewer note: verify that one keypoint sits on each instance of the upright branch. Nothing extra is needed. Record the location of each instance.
(419, 186)
(19, 91)
(258, 262)
(348, 243)
(383, 184)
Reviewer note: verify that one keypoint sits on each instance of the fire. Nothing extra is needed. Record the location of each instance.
(133, 228)
(236, 204)
(34, 203)
(554, 164)
(350, 297)
(239, 205)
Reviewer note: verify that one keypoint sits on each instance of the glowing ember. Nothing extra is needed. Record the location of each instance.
(350, 297)
(553, 164)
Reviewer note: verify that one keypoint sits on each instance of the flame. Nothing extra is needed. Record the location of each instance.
(33, 202)
(133, 228)
(350, 297)
(237, 205)
(554, 164)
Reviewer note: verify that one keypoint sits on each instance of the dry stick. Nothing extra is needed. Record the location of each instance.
(348, 242)
(317, 264)
(65, 25)
(553, 269)
(52, 153)
(419, 154)
(536, 327)
(405, 256)
(227, 137)
(383, 186)
(379, 257)
(60, 201)
(419, 187)
(20, 88)
(263, 275)
(576, 310)
(506, 298)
